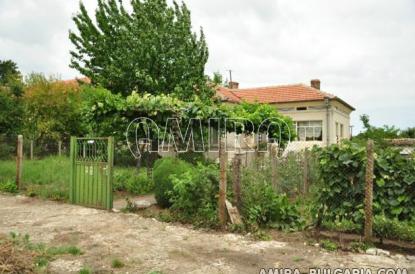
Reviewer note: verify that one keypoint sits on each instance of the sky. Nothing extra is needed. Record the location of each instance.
(362, 51)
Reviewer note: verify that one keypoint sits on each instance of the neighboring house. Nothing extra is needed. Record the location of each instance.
(320, 117)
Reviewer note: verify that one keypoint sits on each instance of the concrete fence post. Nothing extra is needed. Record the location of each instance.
(19, 161)
(236, 166)
(306, 172)
(31, 149)
(60, 148)
(369, 192)
(222, 183)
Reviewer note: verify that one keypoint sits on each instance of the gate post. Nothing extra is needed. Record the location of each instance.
(19, 161)
(73, 167)
(110, 172)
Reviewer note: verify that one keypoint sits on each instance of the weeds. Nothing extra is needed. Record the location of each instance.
(329, 245)
(85, 270)
(8, 186)
(28, 255)
(116, 263)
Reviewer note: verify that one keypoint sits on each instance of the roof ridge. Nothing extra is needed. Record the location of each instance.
(264, 87)
(319, 90)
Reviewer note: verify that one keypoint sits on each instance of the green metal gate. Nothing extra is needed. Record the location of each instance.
(92, 161)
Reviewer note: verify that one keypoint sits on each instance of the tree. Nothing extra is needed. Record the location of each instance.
(151, 49)
(52, 109)
(10, 113)
(376, 133)
(408, 133)
(10, 77)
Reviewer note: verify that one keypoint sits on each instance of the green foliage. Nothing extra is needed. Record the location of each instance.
(360, 246)
(341, 193)
(386, 228)
(329, 245)
(85, 270)
(194, 195)
(60, 250)
(342, 226)
(408, 133)
(117, 263)
(45, 98)
(133, 181)
(261, 205)
(193, 157)
(260, 118)
(162, 175)
(151, 49)
(378, 134)
(10, 77)
(8, 186)
(42, 253)
(11, 110)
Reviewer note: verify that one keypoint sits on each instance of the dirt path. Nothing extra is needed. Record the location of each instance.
(146, 245)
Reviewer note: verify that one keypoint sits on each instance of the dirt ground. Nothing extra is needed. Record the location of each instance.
(146, 245)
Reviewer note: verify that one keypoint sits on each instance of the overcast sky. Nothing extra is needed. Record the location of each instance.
(362, 51)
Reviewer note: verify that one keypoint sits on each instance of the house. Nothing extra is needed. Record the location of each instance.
(320, 117)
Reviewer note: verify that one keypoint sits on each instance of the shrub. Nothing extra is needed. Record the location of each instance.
(194, 195)
(261, 205)
(132, 181)
(341, 193)
(8, 186)
(342, 226)
(393, 229)
(193, 157)
(116, 263)
(329, 245)
(163, 170)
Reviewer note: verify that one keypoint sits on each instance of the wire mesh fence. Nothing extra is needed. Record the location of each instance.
(333, 183)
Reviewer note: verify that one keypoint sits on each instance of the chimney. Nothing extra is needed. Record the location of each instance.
(315, 83)
(233, 85)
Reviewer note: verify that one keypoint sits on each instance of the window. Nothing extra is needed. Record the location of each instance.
(301, 108)
(309, 130)
(341, 131)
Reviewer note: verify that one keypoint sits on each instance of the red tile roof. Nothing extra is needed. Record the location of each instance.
(276, 94)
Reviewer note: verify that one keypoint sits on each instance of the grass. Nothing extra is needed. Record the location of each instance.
(19, 254)
(116, 263)
(48, 178)
(85, 270)
(329, 245)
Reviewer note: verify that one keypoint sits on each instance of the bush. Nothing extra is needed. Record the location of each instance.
(342, 189)
(194, 195)
(8, 186)
(393, 229)
(163, 170)
(262, 206)
(133, 181)
(193, 157)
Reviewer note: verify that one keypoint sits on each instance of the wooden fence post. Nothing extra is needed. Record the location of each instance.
(236, 166)
(60, 148)
(222, 183)
(369, 192)
(305, 171)
(19, 161)
(31, 149)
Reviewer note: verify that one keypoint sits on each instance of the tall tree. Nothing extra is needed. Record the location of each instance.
(150, 49)
(10, 77)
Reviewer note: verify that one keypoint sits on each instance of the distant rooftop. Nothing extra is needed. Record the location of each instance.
(277, 94)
